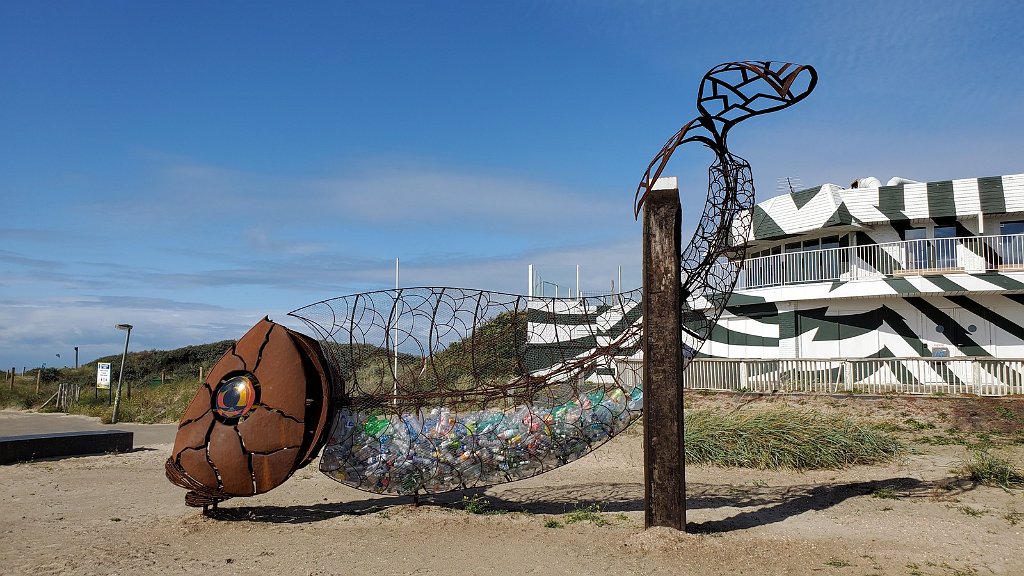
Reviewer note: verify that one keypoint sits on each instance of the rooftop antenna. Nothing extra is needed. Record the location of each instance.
(788, 184)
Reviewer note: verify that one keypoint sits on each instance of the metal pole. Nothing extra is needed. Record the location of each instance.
(120, 375)
(620, 284)
(76, 357)
(394, 398)
(577, 281)
(529, 282)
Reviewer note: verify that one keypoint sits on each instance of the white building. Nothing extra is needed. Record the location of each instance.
(914, 287)
(909, 287)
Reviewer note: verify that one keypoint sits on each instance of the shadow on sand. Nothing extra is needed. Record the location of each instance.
(760, 505)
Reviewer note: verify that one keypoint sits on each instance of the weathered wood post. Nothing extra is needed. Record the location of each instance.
(664, 466)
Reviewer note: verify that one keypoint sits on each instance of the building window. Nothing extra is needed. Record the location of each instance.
(926, 251)
(943, 248)
(815, 260)
(915, 233)
(793, 262)
(916, 248)
(1012, 240)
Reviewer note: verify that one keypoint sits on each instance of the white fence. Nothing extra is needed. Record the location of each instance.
(929, 256)
(955, 376)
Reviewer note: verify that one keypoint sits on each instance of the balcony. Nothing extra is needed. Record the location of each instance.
(978, 376)
(973, 254)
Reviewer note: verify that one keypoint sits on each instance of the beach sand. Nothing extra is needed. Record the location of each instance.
(117, 514)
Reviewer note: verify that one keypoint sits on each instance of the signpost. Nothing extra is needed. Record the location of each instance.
(664, 451)
(103, 378)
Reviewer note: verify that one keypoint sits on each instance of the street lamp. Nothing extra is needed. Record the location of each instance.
(120, 375)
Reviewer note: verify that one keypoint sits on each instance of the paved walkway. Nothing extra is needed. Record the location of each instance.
(17, 423)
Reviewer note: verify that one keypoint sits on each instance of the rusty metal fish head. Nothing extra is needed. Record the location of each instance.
(260, 415)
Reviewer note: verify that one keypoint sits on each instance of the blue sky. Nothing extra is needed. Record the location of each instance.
(190, 167)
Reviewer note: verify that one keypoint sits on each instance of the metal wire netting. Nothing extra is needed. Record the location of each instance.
(446, 388)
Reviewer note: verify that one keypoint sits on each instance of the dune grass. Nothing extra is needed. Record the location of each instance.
(779, 438)
(149, 404)
(984, 468)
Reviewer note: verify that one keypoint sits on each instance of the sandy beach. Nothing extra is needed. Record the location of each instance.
(117, 514)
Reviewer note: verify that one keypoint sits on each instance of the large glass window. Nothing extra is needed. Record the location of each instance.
(917, 248)
(915, 233)
(1012, 242)
(935, 252)
(815, 260)
(760, 270)
(794, 262)
(833, 260)
(943, 248)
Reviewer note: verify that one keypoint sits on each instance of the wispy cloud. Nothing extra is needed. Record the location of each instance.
(389, 196)
(9, 257)
(427, 195)
(41, 328)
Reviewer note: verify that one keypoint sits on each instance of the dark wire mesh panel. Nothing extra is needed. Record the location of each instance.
(711, 263)
(447, 388)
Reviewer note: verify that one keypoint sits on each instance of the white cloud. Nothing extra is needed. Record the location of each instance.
(35, 331)
(385, 197)
(426, 195)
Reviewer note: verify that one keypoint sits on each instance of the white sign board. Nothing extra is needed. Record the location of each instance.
(103, 375)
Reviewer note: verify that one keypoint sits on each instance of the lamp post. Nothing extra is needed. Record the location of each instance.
(76, 357)
(120, 375)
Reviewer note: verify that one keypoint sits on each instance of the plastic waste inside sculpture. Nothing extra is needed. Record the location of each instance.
(424, 390)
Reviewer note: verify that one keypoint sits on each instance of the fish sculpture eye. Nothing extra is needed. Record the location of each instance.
(234, 397)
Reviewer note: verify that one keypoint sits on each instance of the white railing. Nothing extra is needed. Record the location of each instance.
(979, 376)
(910, 257)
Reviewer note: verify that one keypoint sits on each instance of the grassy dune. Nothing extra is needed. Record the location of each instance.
(785, 438)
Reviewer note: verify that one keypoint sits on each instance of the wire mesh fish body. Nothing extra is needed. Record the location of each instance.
(448, 388)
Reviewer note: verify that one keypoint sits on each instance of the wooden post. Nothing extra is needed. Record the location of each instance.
(664, 464)
(200, 374)
(39, 376)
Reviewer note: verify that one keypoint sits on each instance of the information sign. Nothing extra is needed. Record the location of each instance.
(103, 375)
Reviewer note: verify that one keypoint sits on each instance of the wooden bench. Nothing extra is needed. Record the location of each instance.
(35, 446)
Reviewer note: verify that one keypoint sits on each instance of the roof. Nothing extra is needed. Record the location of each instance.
(832, 206)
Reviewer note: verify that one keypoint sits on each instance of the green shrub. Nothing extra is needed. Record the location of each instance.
(479, 505)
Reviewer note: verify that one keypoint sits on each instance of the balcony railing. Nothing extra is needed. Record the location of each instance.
(981, 376)
(912, 257)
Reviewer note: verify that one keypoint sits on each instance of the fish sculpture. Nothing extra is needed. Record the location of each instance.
(425, 390)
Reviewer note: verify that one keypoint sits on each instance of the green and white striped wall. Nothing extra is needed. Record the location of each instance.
(833, 206)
